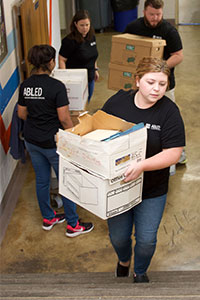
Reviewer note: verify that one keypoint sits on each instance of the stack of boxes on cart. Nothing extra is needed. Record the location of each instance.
(127, 50)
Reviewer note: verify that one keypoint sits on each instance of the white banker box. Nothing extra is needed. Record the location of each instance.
(100, 196)
(107, 159)
(76, 82)
(91, 172)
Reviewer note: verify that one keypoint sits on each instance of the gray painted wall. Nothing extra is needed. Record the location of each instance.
(189, 11)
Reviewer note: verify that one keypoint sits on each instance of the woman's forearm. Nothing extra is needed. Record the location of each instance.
(159, 161)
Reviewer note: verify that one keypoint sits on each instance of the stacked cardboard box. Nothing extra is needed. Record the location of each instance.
(127, 50)
(91, 171)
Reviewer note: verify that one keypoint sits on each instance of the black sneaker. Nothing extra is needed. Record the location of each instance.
(80, 228)
(122, 271)
(140, 278)
(48, 224)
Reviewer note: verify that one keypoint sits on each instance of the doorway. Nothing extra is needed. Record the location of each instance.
(31, 23)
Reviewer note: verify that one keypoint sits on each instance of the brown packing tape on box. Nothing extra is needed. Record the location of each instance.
(99, 120)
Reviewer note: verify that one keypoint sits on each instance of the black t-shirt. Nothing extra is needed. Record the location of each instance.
(42, 95)
(165, 129)
(164, 31)
(80, 55)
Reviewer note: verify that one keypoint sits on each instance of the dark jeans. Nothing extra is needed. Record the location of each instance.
(42, 161)
(90, 89)
(146, 217)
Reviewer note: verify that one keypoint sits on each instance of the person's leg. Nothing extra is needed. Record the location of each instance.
(42, 170)
(147, 217)
(90, 89)
(74, 226)
(183, 159)
(120, 231)
(69, 206)
(171, 94)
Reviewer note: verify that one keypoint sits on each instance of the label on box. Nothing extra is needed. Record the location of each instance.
(127, 74)
(130, 47)
(115, 195)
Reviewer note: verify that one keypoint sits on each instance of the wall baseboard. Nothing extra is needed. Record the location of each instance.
(11, 195)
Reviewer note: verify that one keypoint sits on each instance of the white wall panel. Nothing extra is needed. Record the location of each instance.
(7, 68)
(56, 36)
(8, 15)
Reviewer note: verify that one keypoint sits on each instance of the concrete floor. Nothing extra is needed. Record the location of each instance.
(27, 248)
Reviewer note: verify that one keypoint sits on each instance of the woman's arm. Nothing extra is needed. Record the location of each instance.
(64, 116)
(96, 77)
(22, 112)
(62, 62)
(159, 161)
(175, 59)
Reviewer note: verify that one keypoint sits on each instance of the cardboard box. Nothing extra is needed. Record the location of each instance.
(74, 114)
(76, 82)
(121, 77)
(128, 49)
(95, 194)
(108, 158)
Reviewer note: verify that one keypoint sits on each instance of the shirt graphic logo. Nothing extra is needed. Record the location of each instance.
(153, 127)
(33, 93)
(157, 37)
(93, 44)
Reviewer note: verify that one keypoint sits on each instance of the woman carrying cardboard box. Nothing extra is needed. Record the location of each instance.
(165, 141)
(79, 50)
(43, 104)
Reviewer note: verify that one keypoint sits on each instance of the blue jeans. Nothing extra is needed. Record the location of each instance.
(42, 161)
(146, 217)
(90, 89)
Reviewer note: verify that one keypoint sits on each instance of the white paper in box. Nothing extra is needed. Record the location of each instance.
(108, 159)
(76, 82)
(96, 194)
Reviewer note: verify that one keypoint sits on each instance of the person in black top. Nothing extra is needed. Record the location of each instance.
(153, 25)
(78, 49)
(43, 104)
(165, 141)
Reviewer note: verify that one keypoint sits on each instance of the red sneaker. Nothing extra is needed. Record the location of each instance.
(48, 224)
(80, 228)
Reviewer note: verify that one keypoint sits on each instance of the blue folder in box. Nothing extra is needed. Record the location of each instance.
(116, 135)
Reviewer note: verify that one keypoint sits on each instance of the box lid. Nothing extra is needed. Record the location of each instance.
(99, 120)
(134, 39)
(69, 73)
